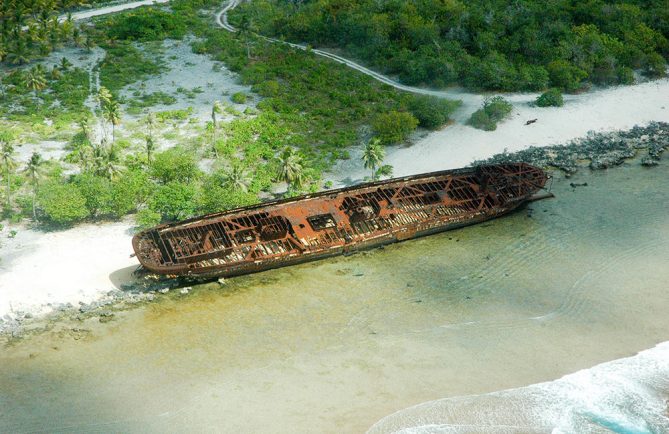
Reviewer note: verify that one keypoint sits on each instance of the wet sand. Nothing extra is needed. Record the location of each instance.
(335, 346)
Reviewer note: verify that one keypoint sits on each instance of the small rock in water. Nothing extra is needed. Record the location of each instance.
(649, 161)
(164, 290)
(106, 316)
(185, 290)
(222, 281)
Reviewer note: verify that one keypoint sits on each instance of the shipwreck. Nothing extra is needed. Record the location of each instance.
(315, 226)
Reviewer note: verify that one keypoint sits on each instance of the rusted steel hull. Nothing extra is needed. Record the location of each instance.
(335, 222)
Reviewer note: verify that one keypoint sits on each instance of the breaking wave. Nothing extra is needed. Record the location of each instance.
(629, 396)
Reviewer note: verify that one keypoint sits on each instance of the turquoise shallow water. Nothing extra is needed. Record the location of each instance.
(337, 345)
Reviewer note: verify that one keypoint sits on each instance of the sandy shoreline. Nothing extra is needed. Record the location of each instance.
(458, 145)
(41, 271)
(454, 146)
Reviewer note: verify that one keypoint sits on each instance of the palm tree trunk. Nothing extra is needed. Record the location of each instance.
(9, 204)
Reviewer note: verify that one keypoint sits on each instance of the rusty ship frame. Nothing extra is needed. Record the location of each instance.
(306, 228)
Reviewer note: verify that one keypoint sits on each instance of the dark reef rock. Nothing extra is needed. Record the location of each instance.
(603, 150)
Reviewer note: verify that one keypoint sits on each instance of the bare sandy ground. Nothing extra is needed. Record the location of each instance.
(458, 145)
(40, 271)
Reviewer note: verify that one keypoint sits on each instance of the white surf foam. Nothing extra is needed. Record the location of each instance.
(629, 395)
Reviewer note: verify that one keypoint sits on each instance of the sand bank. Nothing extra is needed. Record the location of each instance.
(458, 145)
(41, 271)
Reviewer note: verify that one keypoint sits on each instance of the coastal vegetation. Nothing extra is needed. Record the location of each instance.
(550, 98)
(482, 44)
(120, 155)
(493, 110)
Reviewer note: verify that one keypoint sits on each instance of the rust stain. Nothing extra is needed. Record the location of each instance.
(306, 228)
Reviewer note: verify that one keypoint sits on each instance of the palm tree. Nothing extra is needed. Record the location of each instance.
(104, 95)
(55, 73)
(97, 157)
(373, 155)
(236, 178)
(246, 30)
(65, 64)
(291, 169)
(19, 54)
(150, 147)
(84, 156)
(215, 108)
(34, 172)
(7, 157)
(150, 122)
(89, 44)
(112, 111)
(35, 79)
(111, 165)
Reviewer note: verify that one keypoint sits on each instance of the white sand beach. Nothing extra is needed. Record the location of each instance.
(39, 271)
(458, 145)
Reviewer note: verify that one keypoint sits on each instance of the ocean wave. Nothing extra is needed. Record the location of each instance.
(629, 395)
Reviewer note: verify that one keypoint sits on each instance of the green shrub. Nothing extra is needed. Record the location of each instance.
(394, 126)
(175, 164)
(497, 108)
(174, 201)
(96, 191)
(625, 75)
(482, 121)
(147, 218)
(216, 198)
(62, 204)
(431, 112)
(566, 75)
(550, 98)
(654, 66)
(145, 24)
(267, 88)
(238, 97)
(493, 111)
(128, 191)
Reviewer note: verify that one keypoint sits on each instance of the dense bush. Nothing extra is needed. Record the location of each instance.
(493, 111)
(238, 97)
(147, 218)
(431, 112)
(174, 201)
(175, 164)
(145, 24)
(394, 126)
(483, 44)
(62, 204)
(550, 98)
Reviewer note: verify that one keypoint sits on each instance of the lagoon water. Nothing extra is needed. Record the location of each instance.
(347, 344)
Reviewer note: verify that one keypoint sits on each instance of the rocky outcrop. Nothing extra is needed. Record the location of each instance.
(602, 150)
